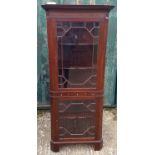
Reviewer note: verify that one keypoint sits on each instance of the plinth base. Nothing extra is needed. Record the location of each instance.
(98, 144)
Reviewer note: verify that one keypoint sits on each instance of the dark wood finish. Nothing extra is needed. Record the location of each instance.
(77, 37)
(102, 51)
(91, 8)
(52, 47)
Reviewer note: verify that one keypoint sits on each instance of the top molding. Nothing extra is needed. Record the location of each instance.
(56, 7)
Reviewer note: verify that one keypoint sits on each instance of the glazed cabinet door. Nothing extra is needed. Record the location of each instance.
(77, 118)
(77, 43)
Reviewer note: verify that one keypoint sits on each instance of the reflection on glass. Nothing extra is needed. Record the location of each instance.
(77, 54)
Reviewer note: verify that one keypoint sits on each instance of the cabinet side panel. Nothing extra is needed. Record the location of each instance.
(52, 50)
(99, 114)
(101, 74)
(102, 52)
(54, 120)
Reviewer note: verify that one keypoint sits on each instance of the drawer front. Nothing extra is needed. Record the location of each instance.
(77, 118)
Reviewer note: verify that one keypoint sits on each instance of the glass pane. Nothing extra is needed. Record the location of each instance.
(73, 126)
(77, 54)
(77, 118)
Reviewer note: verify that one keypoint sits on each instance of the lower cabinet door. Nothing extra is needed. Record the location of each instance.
(77, 119)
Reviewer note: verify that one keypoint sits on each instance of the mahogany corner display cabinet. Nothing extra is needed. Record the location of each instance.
(77, 37)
